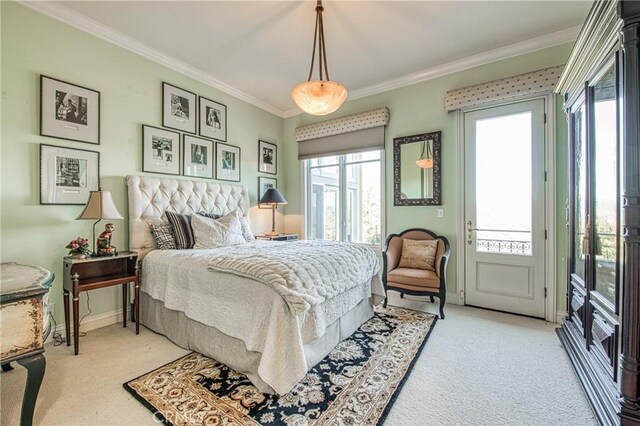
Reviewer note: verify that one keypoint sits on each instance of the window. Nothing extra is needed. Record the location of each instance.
(344, 197)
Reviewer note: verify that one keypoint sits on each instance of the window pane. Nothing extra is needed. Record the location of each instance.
(324, 204)
(605, 181)
(363, 203)
(503, 166)
(362, 156)
(580, 188)
(324, 161)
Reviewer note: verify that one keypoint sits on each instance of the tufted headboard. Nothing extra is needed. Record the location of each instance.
(150, 197)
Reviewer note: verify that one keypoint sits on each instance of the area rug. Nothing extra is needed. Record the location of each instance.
(356, 384)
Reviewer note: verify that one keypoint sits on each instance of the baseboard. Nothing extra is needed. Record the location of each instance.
(560, 316)
(91, 322)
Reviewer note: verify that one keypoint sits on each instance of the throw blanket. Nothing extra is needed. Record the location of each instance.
(304, 273)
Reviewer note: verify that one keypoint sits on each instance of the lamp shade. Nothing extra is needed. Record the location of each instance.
(272, 196)
(100, 205)
(319, 97)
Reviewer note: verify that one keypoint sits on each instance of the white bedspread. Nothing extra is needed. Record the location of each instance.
(305, 273)
(246, 309)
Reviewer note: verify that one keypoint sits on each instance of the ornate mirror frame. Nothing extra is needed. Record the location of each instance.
(397, 164)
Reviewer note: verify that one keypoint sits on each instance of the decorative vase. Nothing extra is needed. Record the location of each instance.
(79, 256)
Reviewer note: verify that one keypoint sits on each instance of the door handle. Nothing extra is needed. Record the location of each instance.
(470, 229)
(585, 237)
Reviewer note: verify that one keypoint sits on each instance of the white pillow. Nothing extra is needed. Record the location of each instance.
(211, 233)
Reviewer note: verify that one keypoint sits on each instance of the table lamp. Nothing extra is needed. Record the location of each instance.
(99, 206)
(272, 198)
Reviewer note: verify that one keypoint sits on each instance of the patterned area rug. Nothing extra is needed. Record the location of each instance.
(355, 384)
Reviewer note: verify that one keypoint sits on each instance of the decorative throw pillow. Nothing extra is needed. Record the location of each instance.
(181, 226)
(210, 233)
(419, 254)
(246, 230)
(163, 235)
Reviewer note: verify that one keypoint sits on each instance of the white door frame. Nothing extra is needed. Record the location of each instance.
(550, 201)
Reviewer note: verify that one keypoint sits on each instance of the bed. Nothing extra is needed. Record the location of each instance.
(231, 317)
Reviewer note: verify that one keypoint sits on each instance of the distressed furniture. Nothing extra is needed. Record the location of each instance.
(99, 272)
(24, 324)
(601, 331)
(415, 281)
(279, 237)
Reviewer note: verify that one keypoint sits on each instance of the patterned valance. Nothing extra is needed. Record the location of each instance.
(350, 123)
(511, 88)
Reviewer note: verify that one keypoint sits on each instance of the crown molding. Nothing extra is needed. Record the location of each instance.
(538, 43)
(88, 25)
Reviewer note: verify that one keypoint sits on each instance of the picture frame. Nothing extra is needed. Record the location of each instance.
(213, 119)
(179, 109)
(197, 157)
(67, 175)
(160, 150)
(267, 157)
(265, 183)
(228, 162)
(69, 111)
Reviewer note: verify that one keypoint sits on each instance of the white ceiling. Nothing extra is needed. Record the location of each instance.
(263, 48)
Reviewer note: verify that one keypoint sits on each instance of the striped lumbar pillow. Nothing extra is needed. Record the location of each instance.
(181, 225)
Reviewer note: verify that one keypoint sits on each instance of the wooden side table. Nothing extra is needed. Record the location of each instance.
(98, 272)
(279, 237)
(24, 323)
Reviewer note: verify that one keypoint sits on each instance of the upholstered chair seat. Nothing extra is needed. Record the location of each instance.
(421, 272)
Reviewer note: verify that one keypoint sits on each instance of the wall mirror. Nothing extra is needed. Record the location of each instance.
(416, 170)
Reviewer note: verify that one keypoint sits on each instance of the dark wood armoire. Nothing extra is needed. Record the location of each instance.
(601, 332)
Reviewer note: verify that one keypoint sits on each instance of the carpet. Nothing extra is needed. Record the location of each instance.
(356, 383)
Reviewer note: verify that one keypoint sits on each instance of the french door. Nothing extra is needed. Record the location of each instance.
(505, 208)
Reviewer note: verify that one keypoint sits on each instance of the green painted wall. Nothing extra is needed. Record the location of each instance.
(420, 108)
(130, 86)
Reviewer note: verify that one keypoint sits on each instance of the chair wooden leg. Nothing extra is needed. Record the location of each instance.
(384, 304)
(442, 300)
(431, 298)
(401, 295)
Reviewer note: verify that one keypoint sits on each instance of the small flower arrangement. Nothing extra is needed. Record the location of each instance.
(79, 247)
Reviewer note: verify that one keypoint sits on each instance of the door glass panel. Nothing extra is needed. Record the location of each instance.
(504, 184)
(363, 202)
(325, 204)
(580, 189)
(605, 183)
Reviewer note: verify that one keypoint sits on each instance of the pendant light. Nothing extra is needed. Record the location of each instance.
(319, 97)
(425, 162)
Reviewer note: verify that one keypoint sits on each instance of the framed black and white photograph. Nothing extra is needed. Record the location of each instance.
(213, 119)
(69, 111)
(227, 162)
(267, 158)
(264, 184)
(197, 157)
(160, 151)
(179, 109)
(67, 175)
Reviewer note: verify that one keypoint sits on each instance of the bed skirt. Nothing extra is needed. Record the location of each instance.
(211, 342)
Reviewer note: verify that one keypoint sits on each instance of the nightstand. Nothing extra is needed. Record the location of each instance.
(99, 272)
(279, 237)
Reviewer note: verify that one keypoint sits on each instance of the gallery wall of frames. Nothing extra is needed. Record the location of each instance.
(191, 141)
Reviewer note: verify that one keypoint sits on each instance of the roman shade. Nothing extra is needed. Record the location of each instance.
(506, 89)
(345, 135)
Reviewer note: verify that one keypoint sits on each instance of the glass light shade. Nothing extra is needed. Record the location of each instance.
(319, 97)
(425, 163)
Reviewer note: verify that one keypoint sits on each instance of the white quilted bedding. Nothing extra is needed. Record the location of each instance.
(248, 310)
(304, 273)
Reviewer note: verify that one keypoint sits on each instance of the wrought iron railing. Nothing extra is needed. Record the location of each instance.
(504, 246)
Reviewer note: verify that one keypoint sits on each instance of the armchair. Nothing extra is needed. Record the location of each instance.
(415, 281)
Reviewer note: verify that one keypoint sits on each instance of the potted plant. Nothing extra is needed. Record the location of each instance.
(79, 248)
